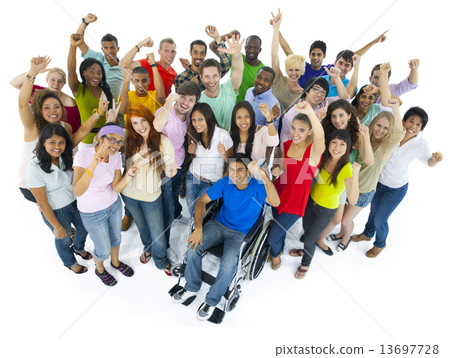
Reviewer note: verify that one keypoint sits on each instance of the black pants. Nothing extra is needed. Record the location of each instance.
(316, 219)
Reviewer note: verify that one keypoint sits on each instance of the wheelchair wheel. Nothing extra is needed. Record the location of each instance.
(260, 253)
(177, 270)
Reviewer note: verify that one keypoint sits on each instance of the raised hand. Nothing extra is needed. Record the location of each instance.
(147, 42)
(90, 18)
(150, 58)
(192, 147)
(356, 167)
(437, 157)
(185, 63)
(253, 168)
(333, 72)
(234, 46)
(112, 113)
(172, 98)
(221, 148)
(385, 67)
(76, 40)
(102, 106)
(171, 170)
(414, 63)
(230, 34)
(381, 38)
(356, 60)
(321, 113)
(212, 31)
(276, 19)
(371, 89)
(39, 64)
(275, 112)
(393, 103)
(303, 107)
(264, 108)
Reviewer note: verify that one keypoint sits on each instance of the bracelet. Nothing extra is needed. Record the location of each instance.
(84, 21)
(154, 65)
(30, 78)
(130, 175)
(137, 47)
(90, 174)
(268, 122)
(55, 231)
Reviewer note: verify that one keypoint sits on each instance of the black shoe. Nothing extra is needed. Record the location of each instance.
(329, 252)
(302, 238)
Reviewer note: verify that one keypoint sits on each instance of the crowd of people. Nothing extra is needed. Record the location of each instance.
(305, 144)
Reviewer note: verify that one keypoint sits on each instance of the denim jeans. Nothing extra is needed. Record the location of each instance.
(194, 190)
(104, 228)
(277, 233)
(384, 202)
(316, 219)
(67, 215)
(364, 199)
(148, 216)
(214, 233)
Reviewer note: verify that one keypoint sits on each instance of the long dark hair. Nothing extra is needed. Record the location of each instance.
(84, 66)
(341, 134)
(352, 127)
(210, 120)
(234, 131)
(36, 107)
(45, 159)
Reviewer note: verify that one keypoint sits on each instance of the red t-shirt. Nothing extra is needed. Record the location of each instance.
(168, 77)
(294, 185)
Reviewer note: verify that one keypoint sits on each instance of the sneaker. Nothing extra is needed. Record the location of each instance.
(106, 278)
(204, 311)
(182, 295)
(126, 222)
(125, 269)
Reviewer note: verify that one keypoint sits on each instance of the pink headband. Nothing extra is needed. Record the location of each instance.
(110, 130)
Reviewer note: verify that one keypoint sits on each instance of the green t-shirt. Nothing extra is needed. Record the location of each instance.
(248, 78)
(326, 194)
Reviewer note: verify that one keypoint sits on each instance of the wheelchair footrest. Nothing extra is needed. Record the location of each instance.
(174, 289)
(217, 316)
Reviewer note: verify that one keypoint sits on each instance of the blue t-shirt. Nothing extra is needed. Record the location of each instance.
(241, 208)
(333, 89)
(309, 72)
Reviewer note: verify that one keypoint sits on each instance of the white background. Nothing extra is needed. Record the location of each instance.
(399, 298)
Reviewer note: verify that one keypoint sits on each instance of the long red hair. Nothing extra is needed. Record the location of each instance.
(134, 140)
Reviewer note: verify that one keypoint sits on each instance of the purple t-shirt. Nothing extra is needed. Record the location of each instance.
(100, 193)
(176, 130)
(398, 89)
(309, 72)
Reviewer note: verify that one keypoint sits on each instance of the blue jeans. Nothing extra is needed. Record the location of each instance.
(214, 233)
(277, 233)
(148, 216)
(67, 215)
(384, 202)
(364, 199)
(104, 228)
(194, 190)
(170, 203)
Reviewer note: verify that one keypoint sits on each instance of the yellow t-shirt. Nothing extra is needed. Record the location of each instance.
(148, 101)
(326, 194)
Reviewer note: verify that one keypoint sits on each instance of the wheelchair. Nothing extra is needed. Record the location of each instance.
(253, 256)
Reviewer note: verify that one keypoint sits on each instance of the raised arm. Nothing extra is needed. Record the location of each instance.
(285, 46)
(213, 45)
(88, 19)
(351, 87)
(72, 78)
(127, 60)
(158, 83)
(364, 146)
(18, 81)
(395, 106)
(352, 184)
(234, 49)
(335, 74)
(367, 47)
(163, 115)
(436, 157)
(385, 91)
(276, 22)
(26, 115)
(318, 146)
(124, 100)
(225, 60)
(413, 77)
(273, 198)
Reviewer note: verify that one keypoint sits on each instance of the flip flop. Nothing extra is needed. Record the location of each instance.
(147, 256)
(301, 273)
(87, 255)
(296, 252)
(167, 269)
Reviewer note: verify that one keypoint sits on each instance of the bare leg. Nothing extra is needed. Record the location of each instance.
(347, 222)
(115, 256)
(99, 265)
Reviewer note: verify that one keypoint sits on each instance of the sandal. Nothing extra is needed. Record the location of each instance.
(276, 266)
(301, 273)
(106, 278)
(167, 269)
(87, 255)
(333, 237)
(145, 257)
(81, 270)
(269, 258)
(124, 268)
(341, 247)
(296, 252)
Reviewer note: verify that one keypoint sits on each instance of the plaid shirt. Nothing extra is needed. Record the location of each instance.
(188, 74)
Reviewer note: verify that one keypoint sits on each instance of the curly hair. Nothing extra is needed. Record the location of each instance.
(45, 159)
(234, 130)
(352, 127)
(36, 107)
(134, 140)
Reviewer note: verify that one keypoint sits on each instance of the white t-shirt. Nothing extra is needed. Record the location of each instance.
(208, 163)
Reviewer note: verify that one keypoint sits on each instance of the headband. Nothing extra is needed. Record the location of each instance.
(110, 130)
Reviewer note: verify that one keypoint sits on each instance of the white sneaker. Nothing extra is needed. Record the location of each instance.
(182, 295)
(205, 311)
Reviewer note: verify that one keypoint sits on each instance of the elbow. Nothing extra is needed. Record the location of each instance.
(352, 201)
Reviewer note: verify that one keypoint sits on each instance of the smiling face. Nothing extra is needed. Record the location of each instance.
(110, 49)
(293, 74)
(141, 82)
(55, 81)
(93, 75)
(167, 54)
(300, 130)
(315, 96)
(412, 125)
(380, 128)
(340, 118)
(238, 173)
(211, 78)
(199, 122)
(198, 54)
(108, 139)
(243, 119)
(55, 146)
(141, 126)
(365, 100)
(344, 66)
(252, 49)
(337, 148)
(316, 58)
(184, 104)
(263, 81)
(51, 110)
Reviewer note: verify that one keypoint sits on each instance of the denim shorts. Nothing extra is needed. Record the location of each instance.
(364, 199)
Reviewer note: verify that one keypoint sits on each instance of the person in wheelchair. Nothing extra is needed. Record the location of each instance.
(243, 198)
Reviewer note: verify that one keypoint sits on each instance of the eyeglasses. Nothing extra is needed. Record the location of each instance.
(318, 90)
(113, 141)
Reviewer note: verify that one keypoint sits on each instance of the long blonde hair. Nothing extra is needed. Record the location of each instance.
(390, 117)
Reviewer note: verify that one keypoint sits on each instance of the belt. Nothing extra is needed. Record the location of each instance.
(199, 177)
